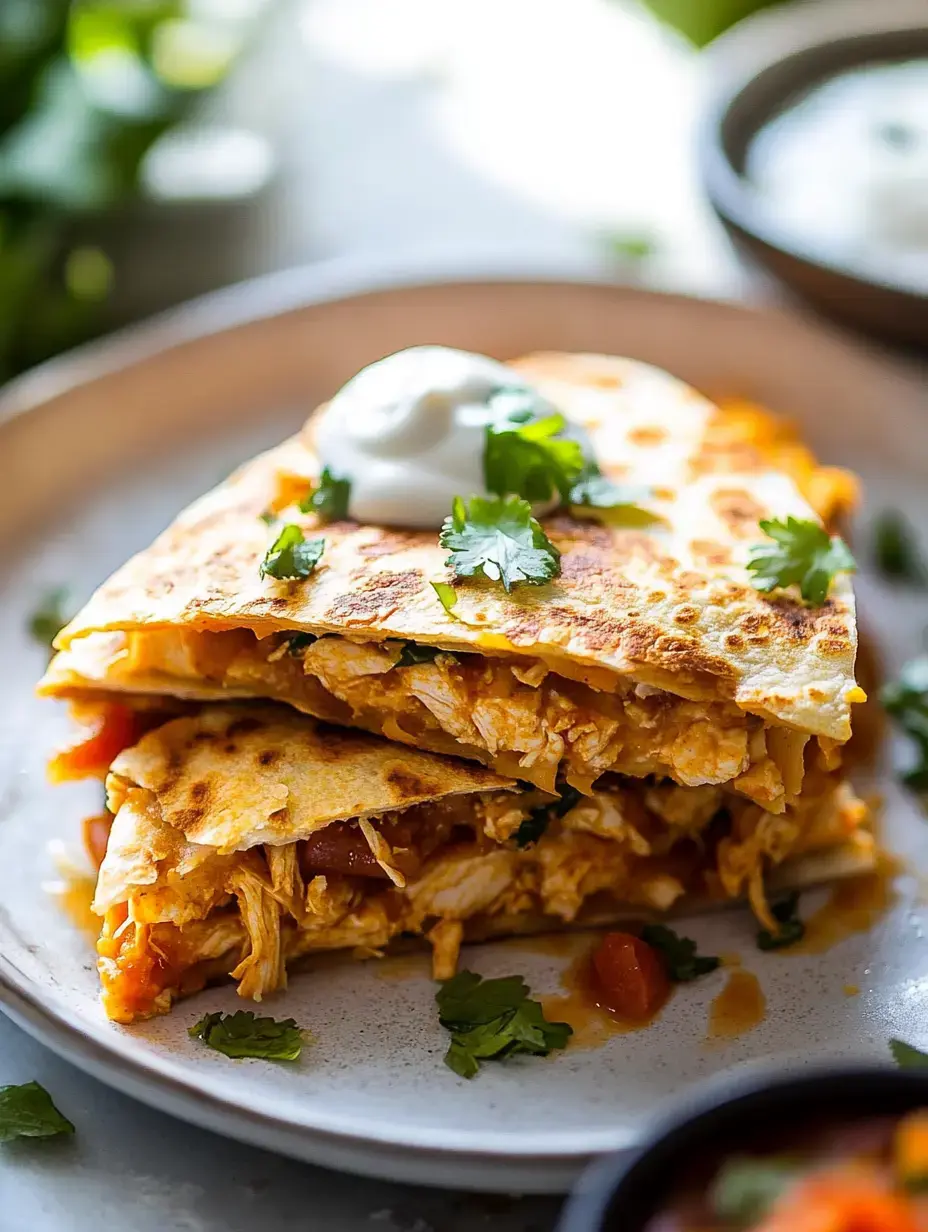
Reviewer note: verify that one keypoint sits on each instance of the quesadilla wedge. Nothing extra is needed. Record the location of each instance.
(652, 654)
(244, 836)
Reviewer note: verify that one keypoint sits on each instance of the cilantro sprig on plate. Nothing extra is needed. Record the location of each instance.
(896, 552)
(27, 1111)
(292, 555)
(48, 618)
(499, 538)
(802, 554)
(243, 1034)
(493, 1019)
(790, 926)
(679, 954)
(906, 699)
(907, 1057)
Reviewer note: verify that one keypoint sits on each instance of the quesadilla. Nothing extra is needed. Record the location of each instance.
(652, 654)
(245, 836)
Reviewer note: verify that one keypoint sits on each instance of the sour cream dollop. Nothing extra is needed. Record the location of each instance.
(408, 433)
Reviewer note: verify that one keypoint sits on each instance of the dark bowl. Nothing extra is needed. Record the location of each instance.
(621, 1193)
(755, 70)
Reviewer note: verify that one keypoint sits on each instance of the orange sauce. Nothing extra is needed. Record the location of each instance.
(581, 1004)
(851, 990)
(74, 896)
(738, 1008)
(403, 966)
(853, 906)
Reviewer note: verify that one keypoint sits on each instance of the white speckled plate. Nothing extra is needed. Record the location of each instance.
(98, 451)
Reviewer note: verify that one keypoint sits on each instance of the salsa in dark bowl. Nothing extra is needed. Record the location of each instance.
(828, 1151)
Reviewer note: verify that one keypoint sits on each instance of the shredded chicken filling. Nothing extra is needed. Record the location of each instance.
(519, 716)
(448, 869)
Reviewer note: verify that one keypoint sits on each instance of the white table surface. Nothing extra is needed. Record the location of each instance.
(522, 128)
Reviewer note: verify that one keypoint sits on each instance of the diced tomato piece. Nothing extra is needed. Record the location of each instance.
(842, 1202)
(339, 848)
(631, 976)
(108, 730)
(96, 834)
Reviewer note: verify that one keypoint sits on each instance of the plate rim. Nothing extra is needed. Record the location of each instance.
(495, 1160)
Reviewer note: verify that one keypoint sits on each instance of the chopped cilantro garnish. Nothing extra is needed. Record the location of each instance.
(618, 504)
(48, 619)
(292, 555)
(412, 653)
(537, 822)
(791, 930)
(493, 1019)
(802, 554)
(630, 245)
(895, 550)
(745, 1189)
(242, 1034)
(524, 453)
(907, 1057)
(328, 498)
(679, 953)
(906, 699)
(27, 1111)
(500, 539)
(447, 596)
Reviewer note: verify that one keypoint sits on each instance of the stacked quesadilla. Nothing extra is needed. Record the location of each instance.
(645, 731)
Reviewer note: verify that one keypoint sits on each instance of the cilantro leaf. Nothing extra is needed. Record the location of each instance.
(791, 930)
(538, 820)
(493, 1019)
(447, 596)
(895, 550)
(906, 699)
(679, 953)
(291, 555)
(48, 619)
(745, 1189)
(617, 504)
(531, 460)
(630, 245)
(500, 539)
(802, 554)
(27, 1111)
(242, 1034)
(907, 1057)
(524, 453)
(329, 498)
(412, 653)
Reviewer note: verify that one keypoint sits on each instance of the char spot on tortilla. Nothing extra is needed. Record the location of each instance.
(408, 783)
(707, 552)
(378, 596)
(243, 726)
(230, 747)
(389, 542)
(738, 509)
(267, 757)
(686, 614)
(647, 435)
(199, 791)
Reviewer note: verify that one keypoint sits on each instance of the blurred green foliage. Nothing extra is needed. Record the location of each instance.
(703, 20)
(86, 88)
